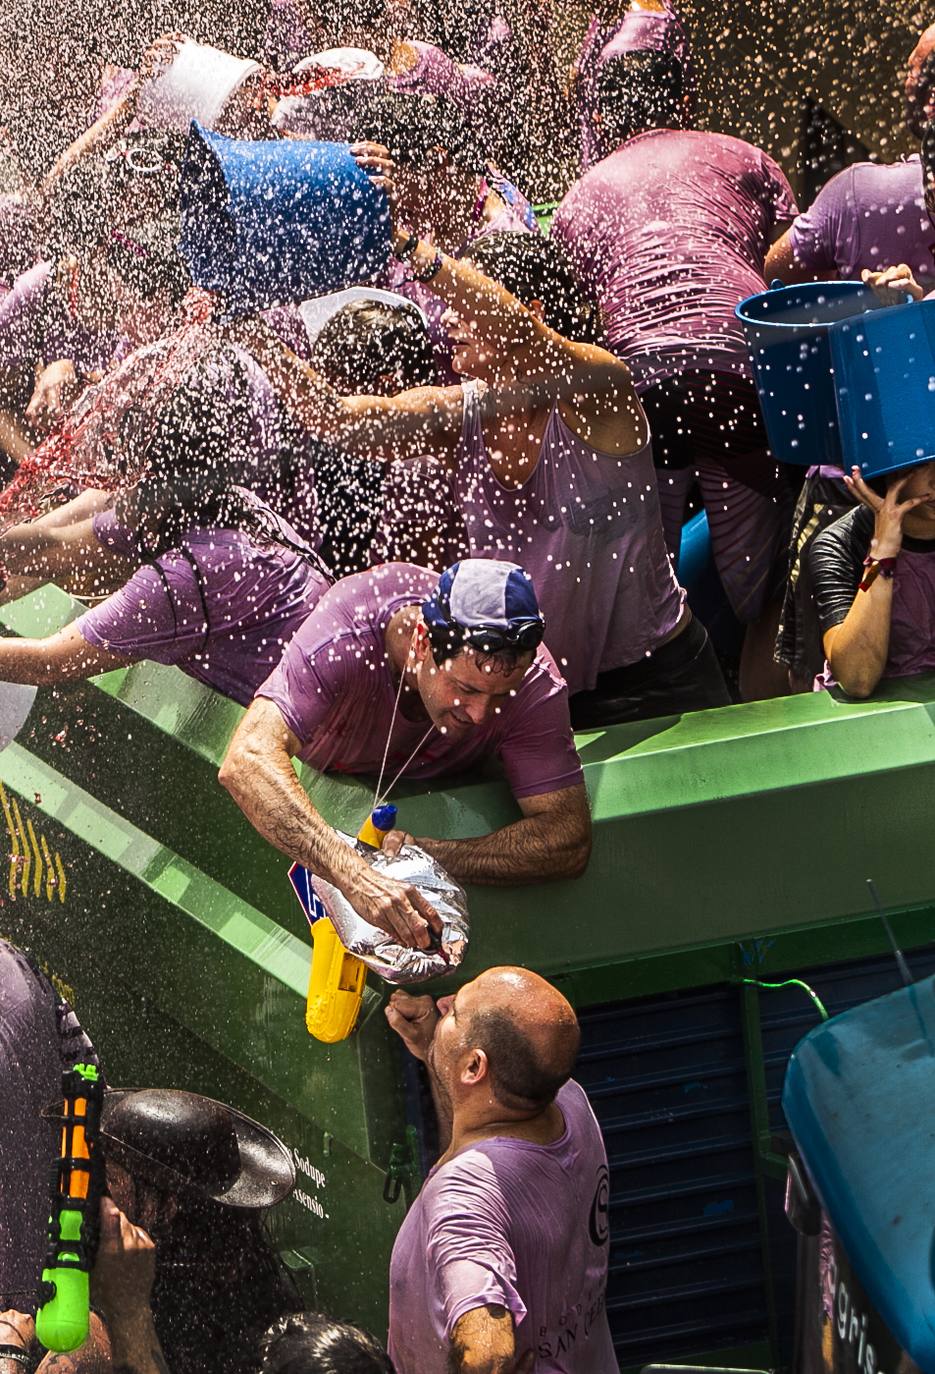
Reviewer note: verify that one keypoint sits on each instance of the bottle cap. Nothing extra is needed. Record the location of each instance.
(384, 817)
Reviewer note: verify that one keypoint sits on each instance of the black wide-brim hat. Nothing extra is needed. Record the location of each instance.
(183, 1142)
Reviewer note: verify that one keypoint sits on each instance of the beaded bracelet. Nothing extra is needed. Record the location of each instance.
(876, 567)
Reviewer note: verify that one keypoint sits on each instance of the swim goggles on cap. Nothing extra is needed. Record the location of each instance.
(524, 635)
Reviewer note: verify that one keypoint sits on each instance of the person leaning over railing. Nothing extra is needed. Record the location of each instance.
(400, 673)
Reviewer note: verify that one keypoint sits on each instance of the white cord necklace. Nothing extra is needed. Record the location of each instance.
(380, 797)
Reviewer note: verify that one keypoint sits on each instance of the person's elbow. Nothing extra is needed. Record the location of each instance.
(856, 682)
(240, 764)
(575, 854)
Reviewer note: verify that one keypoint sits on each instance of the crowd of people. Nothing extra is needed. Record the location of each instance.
(413, 529)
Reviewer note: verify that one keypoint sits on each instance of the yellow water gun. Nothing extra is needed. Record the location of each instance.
(336, 979)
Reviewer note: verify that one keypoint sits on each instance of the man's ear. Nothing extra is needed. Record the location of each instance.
(476, 1069)
(422, 647)
(535, 307)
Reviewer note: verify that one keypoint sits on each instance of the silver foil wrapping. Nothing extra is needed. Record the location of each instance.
(379, 951)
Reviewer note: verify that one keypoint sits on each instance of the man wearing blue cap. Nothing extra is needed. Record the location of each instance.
(398, 672)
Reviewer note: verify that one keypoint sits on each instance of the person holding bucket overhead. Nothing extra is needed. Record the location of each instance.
(871, 214)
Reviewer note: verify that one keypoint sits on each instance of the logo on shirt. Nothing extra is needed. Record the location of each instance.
(598, 1224)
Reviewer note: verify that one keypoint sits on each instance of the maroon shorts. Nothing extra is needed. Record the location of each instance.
(707, 428)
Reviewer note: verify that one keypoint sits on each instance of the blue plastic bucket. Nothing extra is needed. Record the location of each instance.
(787, 329)
(275, 222)
(884, 370)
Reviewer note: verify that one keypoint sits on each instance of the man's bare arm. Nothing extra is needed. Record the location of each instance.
(53, 551)
(483, 1342)
(60, 658)
(553, 840)
(258, 772)
(782, 264)
(421, 420)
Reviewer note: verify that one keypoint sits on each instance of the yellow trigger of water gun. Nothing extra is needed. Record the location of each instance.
(336, 979)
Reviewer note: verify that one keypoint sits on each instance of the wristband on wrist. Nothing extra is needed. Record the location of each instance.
(433, 270)
(406, 248)
(874, 568)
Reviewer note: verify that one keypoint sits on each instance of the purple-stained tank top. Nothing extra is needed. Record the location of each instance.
(635, 31)
(586, 526)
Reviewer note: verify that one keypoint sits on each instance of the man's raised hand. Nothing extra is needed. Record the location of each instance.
(414, 1020)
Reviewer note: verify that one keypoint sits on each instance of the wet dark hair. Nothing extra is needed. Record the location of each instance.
(374, 348)
(638, 91)
(519, 1078)
(194, 473)
(503, 661)
(311, 1343)
(410, 125)
(534, 268)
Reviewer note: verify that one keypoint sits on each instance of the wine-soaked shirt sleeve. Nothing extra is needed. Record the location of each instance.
(468, 1249)
(140, 620)
(821, 234)
(310, 679)
(538, 750)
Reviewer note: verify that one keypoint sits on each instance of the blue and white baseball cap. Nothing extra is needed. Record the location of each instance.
(485, 594)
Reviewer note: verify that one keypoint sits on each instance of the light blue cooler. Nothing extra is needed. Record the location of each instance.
(787, 332)
(859, 1098)
(884, 370)
(276, 222)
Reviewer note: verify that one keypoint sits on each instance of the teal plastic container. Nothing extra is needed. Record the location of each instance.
(858, 1098)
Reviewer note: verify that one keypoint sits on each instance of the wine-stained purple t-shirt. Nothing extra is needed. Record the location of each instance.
(335, 690)
(222, 607)
(587, 528)
(670, 233)
(512, 1224)
(870, 215)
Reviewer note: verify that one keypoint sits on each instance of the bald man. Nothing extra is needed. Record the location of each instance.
(501, 1263)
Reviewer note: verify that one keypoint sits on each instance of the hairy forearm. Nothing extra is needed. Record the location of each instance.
(263, 783)
(136, 1348)
(860, 644)
(533, 850)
